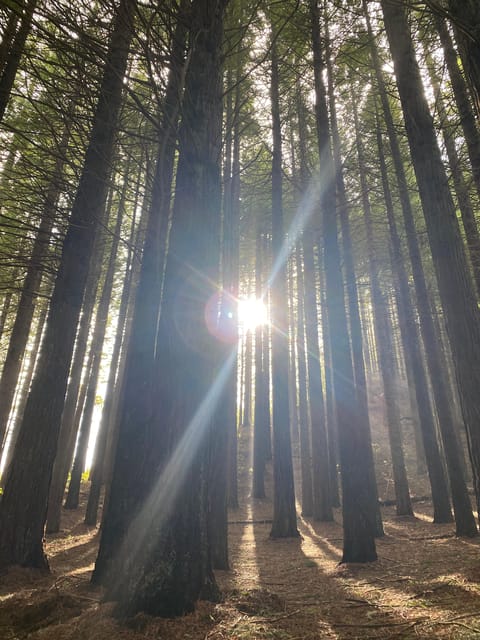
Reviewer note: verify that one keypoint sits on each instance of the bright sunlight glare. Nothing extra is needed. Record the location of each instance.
(252, 312)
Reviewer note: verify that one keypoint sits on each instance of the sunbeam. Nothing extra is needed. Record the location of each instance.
(305, 210)
(164, 493)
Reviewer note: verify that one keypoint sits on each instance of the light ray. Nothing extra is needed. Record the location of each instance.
(306, 207)
(163, 495)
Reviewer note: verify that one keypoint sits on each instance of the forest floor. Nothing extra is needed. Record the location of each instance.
(425, 584)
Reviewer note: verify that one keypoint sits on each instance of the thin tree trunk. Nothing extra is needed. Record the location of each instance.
(97, 476)
(10, 68)
(442, 512)
(304, 423)
(231, 284)
(7, 300)
(23, 395)
(462, 99)
(304, 413)
(322, 501)
(284, 523)
(69, 425)
(261, 420)
(331, 418)
(31, 284)
(98, 338)
(322, 506)
(247, 381)
(292, 363)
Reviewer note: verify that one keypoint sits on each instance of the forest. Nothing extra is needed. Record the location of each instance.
(239, 319)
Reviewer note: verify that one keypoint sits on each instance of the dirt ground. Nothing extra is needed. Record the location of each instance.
(425, 584)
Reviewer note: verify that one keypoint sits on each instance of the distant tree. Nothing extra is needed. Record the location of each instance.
(261, 421)
(383, 333)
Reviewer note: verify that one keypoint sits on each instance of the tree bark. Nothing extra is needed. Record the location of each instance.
(442, 511)
(69, 423)
(157, 505)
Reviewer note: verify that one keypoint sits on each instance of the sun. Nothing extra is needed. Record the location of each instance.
(252, 312)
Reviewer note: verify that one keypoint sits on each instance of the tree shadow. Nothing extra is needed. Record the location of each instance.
(301, 591)
(319, 602)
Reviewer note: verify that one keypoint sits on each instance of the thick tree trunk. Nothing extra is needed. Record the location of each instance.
(157, 502)
(24, 504)
(8, 35)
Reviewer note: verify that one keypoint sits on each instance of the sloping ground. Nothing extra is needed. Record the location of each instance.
(426, 584)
